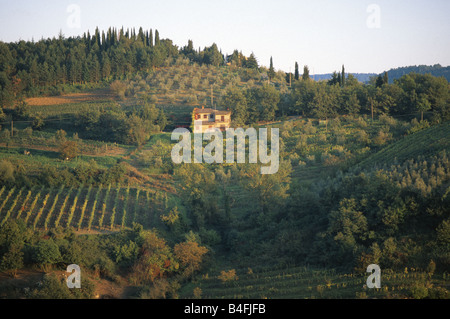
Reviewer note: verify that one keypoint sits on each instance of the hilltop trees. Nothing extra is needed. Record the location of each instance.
(251, 62)
(409, 95)
(44, 67)
(212, 55)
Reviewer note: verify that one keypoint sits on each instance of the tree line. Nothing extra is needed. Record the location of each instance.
(411, 95)
(29, 68)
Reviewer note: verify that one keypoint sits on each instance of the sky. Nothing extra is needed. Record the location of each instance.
(366, 36)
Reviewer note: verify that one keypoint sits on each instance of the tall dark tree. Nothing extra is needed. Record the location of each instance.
(296, 74)
(271, 73)
(379, 82)
(157, 40)
(150, 39)
(343, 76)
(251, 62)
(386, 78)
(141, 36)
(305, 75)
(335, 78)
(212, 55)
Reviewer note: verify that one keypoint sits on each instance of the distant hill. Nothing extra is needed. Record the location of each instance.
(361, 77)
(435, 70)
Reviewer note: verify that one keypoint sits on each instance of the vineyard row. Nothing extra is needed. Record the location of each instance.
(83, 208)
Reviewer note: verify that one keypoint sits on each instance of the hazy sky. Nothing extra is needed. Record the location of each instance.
(366, 36)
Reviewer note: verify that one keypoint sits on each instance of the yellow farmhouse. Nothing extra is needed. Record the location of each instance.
(209, 118)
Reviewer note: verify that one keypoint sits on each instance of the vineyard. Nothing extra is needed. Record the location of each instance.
(84, 208)
(305, 283)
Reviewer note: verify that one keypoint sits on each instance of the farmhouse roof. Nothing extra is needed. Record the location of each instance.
(209, 111)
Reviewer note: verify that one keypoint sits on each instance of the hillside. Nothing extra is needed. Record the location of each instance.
(246, 273)
(86, 166)
(307, 283)
(424, 143)
(435, 70)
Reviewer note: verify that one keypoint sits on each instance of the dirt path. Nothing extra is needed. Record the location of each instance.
(112, 150)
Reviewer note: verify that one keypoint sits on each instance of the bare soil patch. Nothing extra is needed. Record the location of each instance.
(102, 94)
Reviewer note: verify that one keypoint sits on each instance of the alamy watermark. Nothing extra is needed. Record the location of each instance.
(374, 280)
(258, 148)
(74, 19)
(74, 280)
(374, 19)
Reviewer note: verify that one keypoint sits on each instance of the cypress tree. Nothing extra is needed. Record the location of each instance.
(150, 39)
(97, 37)
(141, 36)
(271, 70)
(103, 46)
(305, 73)
(297, 74)
(386, 78)
(156, 38)
(343, 76)
(379, 82)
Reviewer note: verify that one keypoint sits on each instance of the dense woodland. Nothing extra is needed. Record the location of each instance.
(364, 169)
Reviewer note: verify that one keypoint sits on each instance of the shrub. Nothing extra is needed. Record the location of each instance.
(119, 88)
(381, 138)
(419, 291)
(46, 253)
(229, 275)
(6, 172)
(309, 128)
(387, 120)
(417, 126)
(362, 137)
(68, 150)
(361, 122)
